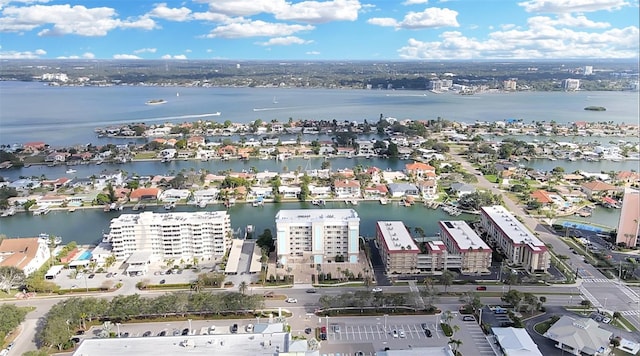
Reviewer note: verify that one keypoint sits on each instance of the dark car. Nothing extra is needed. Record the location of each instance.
(234, 328)
(80, 332)
(481, 288)
(125, 334)
(109, 275)
(76, 340)
(162, 281)
(185, 331)
(323, 336)
(146, 334)
(427, 332)
(92, 275)
(307, 331)
(424, 326)
(169, 271)
(163, 333)
(311, 290)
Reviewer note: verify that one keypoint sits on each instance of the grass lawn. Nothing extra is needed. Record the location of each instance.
(145, 155)
(491, 178)
(542, 327)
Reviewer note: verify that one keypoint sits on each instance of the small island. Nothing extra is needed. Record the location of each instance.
(596, 108)
(156, 102)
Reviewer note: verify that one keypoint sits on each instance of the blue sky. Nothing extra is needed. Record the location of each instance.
(319, 29)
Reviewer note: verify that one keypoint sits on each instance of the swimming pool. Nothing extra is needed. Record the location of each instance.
(86, 255)
(580, 226)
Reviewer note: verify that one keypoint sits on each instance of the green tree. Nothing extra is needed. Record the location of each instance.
(447, 278)
(265, 241)
(243, 287)
(10, 317)
(56, 332)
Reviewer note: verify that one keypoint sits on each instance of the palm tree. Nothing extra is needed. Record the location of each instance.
(446, 279)
(447, 316)
(243, 287)
(455, 344)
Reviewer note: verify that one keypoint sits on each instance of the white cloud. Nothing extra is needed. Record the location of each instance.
(320, 12)
(145, 50)
(172, 14)
(177, 56)
(383, 21)
(567, 6)
(6, 2)
(86, 55)
(312, 53)
(566, 20)
(125, 56)
(284, 41)
(256, 29)
(414, 2)
(432, 17)
(305, 11)
(66, 19)
(22, 55)
(531, 43)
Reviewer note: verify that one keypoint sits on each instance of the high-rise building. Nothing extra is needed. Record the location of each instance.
(588, 70)
(398, 251)
(571, 84)
(629, 223)
(460, 239)
(514, 240)
(509, 85)
(172, 235)
(435, 85)
(317, 235)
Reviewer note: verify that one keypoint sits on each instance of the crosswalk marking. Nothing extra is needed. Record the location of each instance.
(630, 312)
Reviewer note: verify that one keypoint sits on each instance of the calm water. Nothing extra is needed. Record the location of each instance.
(68, 115)
(87, 226)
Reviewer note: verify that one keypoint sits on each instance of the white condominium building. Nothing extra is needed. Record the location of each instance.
(398, 250)
(317, 235)
(460, 239)
(172, 235)
(514, 240)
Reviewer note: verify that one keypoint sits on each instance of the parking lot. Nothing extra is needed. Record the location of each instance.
(364, 333)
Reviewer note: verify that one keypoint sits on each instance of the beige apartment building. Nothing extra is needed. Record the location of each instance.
(460, 239)
(398, 250)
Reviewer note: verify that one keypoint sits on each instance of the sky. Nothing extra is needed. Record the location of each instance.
(319, 29)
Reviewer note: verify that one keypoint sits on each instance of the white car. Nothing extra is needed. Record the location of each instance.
(395, 334)
(402, 334)
(291, 300)
(249, 328)
(376, 290)
(606, 320)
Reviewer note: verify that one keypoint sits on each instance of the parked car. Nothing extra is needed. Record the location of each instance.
(146, 334)
(234, 328)
(163, 333)
(185, 331)
(323, 336)
(481, 288)
(402, 334)
(312, 290)
(75, 340)
(291, 300)
(336, 328)
(323, 330)
(307, 331)
(162, 281)
(376, 290)
(468, 318)
(212, 328)
(92, 275)
(395, 334)
(606, 320)
(427, 332)
(249, 328)
(11, 345)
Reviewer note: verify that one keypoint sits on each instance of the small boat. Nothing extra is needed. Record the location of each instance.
(9, 212)
(383, 201)
(72, 210)
(202, 204)
(170, 206)
(70, 171)
(41, 211)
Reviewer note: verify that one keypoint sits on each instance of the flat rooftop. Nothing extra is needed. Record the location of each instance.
(513, 228)
(148, 217)
(463, 235)
(308, 215)
(228, 344)
(396, 237)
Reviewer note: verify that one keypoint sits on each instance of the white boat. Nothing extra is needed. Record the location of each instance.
(202, 204)
(170, 206)
(9, 212)
(70, 171)
(383, 201)
(217, 113)
(41, 211)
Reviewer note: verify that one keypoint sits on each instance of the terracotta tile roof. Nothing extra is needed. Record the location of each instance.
(346, 183)
(542, 196)
(18, 252)
(144, 192)
(419, 166)
(597, 186)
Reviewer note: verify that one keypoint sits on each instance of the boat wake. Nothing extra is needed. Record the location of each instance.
(271, 109)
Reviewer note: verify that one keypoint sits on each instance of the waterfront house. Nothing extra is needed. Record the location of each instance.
(579, 336)
(319, 191)
(597, 188)
(289, 192)
(365, 148)
(420, 170)
(195, 141)
(628, 177)
(56, 157)
(428, 188)
(26, 254)
(141, 194)
(57, 183)
(258, 192)
(461, 189)
(542, 196)
(51, 200)
(393, 176)
(399, 190)
(185, 154)
(25, 184)
(33, 147)
(345, 188)
(171, 195)
(265, 177)
(376, 191)
(206, 195)
(168, 153)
